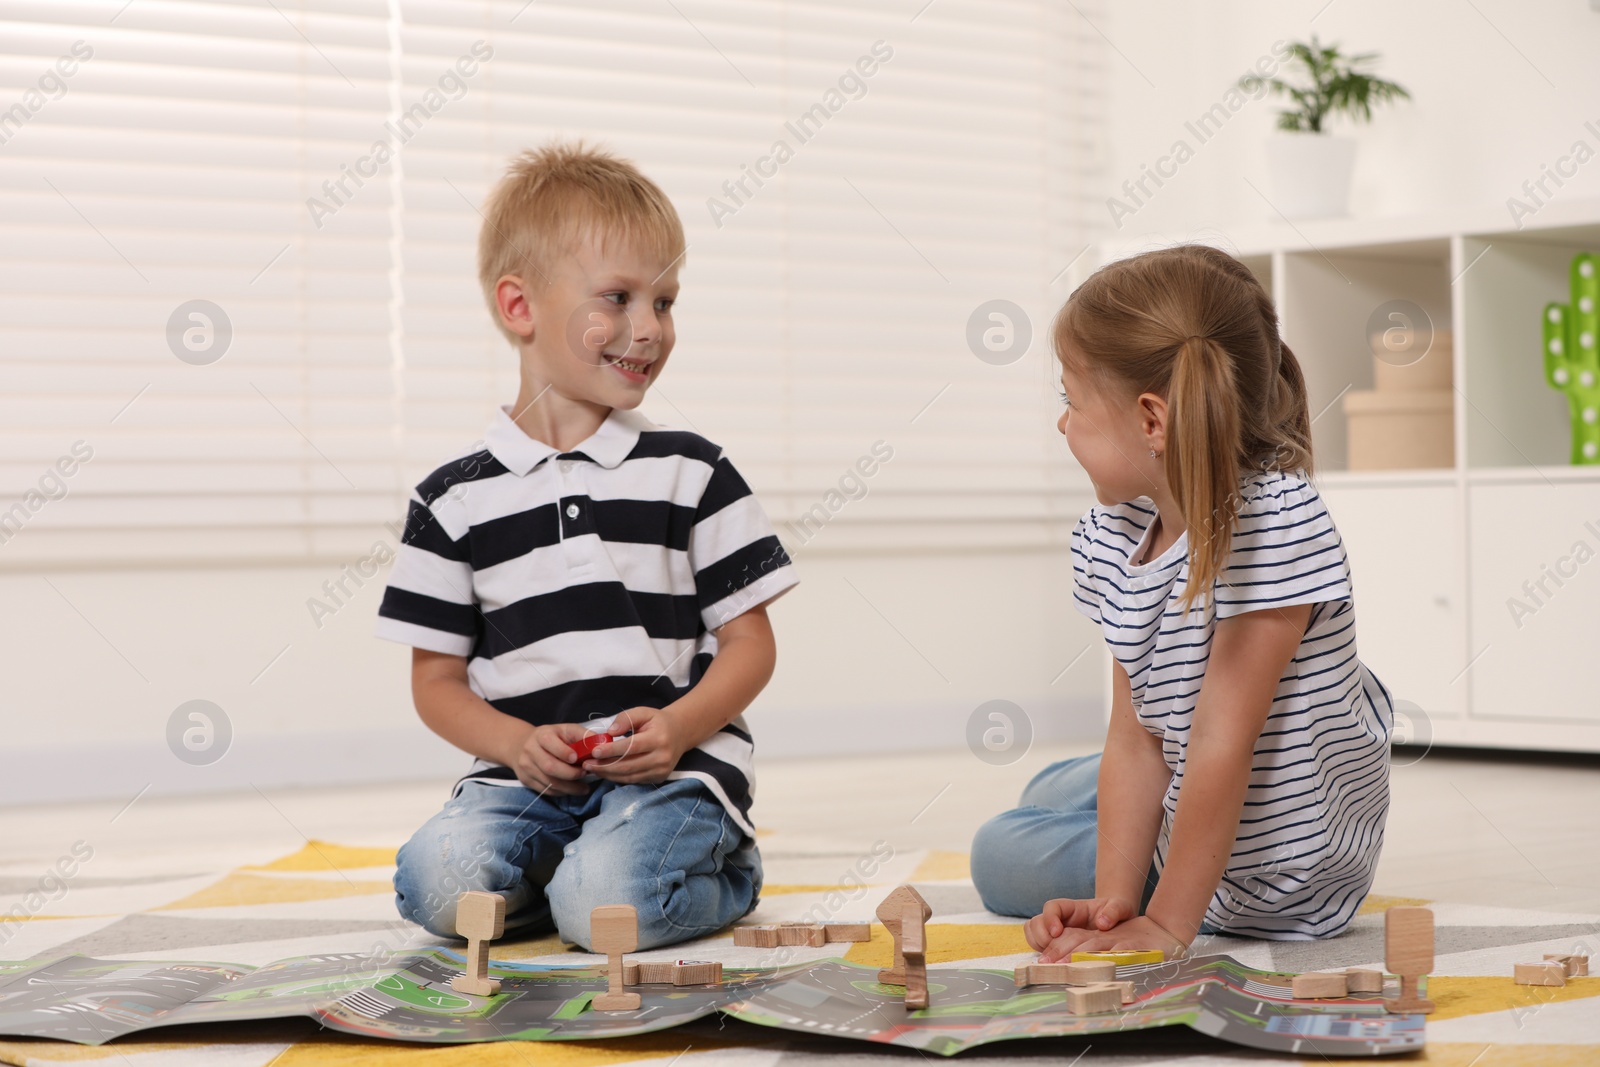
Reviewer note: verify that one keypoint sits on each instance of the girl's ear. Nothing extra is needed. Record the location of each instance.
(1153, 420)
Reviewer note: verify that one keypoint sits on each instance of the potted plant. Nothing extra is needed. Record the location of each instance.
(1311, 167)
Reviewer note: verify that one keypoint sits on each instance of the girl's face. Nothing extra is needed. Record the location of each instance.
(1112, 438)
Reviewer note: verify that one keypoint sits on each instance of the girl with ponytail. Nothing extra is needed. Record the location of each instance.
(1244, 782)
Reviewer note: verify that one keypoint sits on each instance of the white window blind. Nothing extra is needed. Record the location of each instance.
(225, 152)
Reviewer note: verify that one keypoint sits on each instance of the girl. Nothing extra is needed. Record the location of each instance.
(1245, 777)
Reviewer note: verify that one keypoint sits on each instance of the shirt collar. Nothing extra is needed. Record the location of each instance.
(608, 446)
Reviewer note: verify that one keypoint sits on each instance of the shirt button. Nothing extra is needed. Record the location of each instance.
(572, 511)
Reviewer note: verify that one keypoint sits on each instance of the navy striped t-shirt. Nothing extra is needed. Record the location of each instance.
(1313, 817)
(583, 583)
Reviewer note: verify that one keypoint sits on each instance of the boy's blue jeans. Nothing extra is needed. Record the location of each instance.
(1045, 847)
(670, 850)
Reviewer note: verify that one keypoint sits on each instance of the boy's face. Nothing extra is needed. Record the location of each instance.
(1112, 441)
(599, 330)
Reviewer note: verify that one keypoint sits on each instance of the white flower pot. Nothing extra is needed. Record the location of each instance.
(1310, 173)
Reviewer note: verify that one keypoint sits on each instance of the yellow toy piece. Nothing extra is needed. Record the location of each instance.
(1123, 959)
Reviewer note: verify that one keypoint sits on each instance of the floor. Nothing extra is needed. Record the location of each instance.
(1502, 846)
(1463, 828)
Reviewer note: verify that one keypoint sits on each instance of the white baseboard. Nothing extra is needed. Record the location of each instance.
(83, 771)
(95, 771)
(844, 729)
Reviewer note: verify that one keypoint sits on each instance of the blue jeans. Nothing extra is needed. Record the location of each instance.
(670, 850)
(1045, 847)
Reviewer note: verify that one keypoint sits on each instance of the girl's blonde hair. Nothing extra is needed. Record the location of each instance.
(1192, 325)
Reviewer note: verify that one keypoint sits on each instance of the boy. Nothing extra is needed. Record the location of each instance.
(586, 570)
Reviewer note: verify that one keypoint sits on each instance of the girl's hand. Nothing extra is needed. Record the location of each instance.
(1088, 916)
(654, 744)
(1137, 933)
(546, 763)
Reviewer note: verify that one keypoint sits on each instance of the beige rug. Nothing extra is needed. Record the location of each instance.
(337, 898)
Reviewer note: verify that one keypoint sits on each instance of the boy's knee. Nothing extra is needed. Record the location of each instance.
(588, 878)
(671, 905)
(427, 882)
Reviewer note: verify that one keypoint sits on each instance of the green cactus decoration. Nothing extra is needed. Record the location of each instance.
(1571, 360)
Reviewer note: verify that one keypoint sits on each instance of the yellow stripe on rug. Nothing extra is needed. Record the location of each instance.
(1478, 994)
(1374, 902)
(939, 866)
(947, 943)
(236, 889)
(336, 1051)
(327, 856)
(1468, 1054)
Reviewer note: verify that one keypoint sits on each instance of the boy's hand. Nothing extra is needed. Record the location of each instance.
(1085, 916)
(546, 762)
(654, 744)
(1138, 933)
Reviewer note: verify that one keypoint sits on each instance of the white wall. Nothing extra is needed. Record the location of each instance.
(80, 720)
(831, 312)
(1482, 119)
(100, 659)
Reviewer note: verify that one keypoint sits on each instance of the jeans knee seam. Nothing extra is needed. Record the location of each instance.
(719, 854)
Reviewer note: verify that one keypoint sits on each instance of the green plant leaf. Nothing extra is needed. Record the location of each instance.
(1334, 86)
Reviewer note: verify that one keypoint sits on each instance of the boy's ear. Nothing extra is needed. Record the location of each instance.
(516, 311)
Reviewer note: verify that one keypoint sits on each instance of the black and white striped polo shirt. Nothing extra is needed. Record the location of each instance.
(1312, 825)
(583, 583)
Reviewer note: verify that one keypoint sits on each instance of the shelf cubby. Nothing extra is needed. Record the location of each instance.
(1326, 301)
(1513, 418)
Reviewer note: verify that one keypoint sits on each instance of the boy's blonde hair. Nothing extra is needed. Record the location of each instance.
(1192, 324)
(555, 195)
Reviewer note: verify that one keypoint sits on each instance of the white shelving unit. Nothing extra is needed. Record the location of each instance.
(1441, 557)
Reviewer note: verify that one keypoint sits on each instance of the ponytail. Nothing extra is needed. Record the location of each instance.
(1202, 456)
(1291, 416)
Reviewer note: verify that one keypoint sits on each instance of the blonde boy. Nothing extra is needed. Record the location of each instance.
(586, 570)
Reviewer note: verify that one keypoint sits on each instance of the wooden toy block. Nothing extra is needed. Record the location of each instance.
(813, 935)
(1079, 972)
(697, 972)
(1091, 972)
(890, 913)
(1574, 965)
(1093, 999)
(1320, 985)
(1545, 972)
(1126, 989)
(480, 918)
(651, 972)
(848, 931)
(1363, 980)
(668, 972)
(755, 936)
(1041, 974)
(1408, 952)
(614, 930)
(913, 949)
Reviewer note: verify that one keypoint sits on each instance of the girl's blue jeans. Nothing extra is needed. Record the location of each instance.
(670, 850)
(1045, 847)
